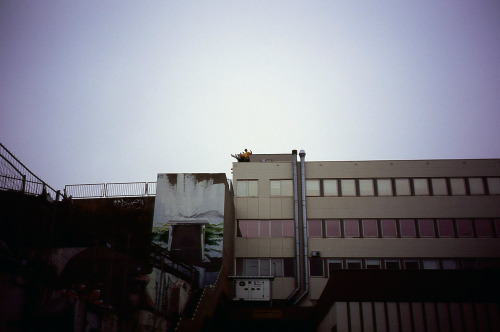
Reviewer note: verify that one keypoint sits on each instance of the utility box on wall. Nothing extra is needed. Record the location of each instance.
(252, 288)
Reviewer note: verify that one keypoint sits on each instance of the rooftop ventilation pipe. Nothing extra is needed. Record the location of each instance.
(296, 223)
(304, 223)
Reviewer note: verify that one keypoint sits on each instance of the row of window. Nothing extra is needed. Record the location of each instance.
(325, 267)
(318, 266)
(265, 228)
(379, 187)
(278, 267)
(373, 228)
(404, 228)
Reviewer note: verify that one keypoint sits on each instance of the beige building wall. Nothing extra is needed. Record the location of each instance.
(263, 206)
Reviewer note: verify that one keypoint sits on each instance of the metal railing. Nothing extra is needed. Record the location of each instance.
(17, 177)
(102, 190)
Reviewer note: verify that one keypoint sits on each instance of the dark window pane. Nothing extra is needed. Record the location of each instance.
(334, 264)
(316, 267)
(276, 228)
(483, 228)
(426, 227)
(488, 264)
(240, 267)
(288, 228)
(464, 228)
(353, 264)
(392, 264)
(370, 228)
(264, 228)
(407, 227)
(333, 228)
(445, 227)
(411, 264)
(450, 264)
(351, 228)
(470, 264)
(288, 267)
(389, 228)
(314, 228)
(497, 226)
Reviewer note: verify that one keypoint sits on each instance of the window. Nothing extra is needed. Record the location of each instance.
(445, 227)
(457, 186)
(439, 187)
(276, 228)
(334, 264)
(252, 228)
(351, 228)
(366, 187)
(392, 264)
(281, 187)
(476, 186)
(450, 264)
(333, 228)
(370, 228)
(421, 187)
(493, 186)
(316, 267)
(426, 228)
(411, 264)
(348, 187)
(314, 228)
(312, 188)
(264, 228)
(278, 267)
(288, 267)
(431, 264)
(264, 267)
(251, 267)
(248, 228)
(288, 228)
(407, 228)
(353, 264)
(372, 264)
(330, 188)
(246, 188)
(483, 228)
(384, 187)
(464, 228)
(402, 187)
(470, 264)
(389, 228)
(488, 264)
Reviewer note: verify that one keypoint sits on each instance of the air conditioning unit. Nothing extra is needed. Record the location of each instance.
(252, 289)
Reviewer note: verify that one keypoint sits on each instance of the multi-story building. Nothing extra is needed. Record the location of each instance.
(367, 245)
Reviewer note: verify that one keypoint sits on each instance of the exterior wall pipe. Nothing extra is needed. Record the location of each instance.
(296, 223)
(304, 224)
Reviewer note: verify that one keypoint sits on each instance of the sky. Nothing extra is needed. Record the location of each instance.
(118, 91)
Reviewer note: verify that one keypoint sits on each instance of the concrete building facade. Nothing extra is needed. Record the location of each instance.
(307, 223)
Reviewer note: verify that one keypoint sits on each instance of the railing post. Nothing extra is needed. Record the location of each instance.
(24, 183)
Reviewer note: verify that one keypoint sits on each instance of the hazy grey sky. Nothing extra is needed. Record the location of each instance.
(118, 91)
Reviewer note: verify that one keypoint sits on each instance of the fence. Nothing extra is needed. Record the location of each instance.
(101, 190)
(17, 177)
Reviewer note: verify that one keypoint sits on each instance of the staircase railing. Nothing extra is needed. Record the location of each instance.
(15, 176)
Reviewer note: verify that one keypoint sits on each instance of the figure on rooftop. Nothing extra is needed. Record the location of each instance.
(243, 156)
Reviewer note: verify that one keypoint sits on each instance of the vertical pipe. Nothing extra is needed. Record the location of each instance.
(304, 223)
(296, 223)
